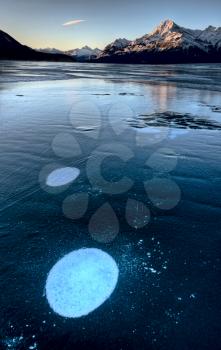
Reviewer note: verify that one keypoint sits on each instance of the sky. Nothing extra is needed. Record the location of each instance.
(40, 23)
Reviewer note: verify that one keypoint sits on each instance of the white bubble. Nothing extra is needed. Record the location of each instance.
(62, 176)
(81, 282)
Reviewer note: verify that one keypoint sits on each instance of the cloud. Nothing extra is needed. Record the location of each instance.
(73, 22)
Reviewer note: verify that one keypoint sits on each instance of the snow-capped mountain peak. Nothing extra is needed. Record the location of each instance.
(211, 28)
(165, 27)
(211, 35)
(168, 35)
(120, 43)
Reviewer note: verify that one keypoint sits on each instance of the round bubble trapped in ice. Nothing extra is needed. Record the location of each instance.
(62, 176)
(81, 281)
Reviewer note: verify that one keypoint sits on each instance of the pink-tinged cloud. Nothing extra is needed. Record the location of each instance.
(72, 23)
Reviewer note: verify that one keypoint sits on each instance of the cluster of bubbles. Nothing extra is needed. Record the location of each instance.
(84, 279)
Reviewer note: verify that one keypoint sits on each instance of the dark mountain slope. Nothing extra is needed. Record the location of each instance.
(10, 49)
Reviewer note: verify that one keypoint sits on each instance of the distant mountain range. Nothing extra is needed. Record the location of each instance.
(84, 54)
(51, 50)
(168, 43)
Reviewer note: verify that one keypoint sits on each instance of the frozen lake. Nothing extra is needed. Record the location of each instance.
(142, 146)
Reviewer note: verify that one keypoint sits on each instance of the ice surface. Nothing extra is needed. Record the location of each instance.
(34, 230)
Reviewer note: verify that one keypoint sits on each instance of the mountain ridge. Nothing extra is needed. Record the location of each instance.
(168, 43)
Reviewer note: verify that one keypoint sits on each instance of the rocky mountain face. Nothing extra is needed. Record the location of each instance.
(12, 49)
(117, 45)
(168, 43)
